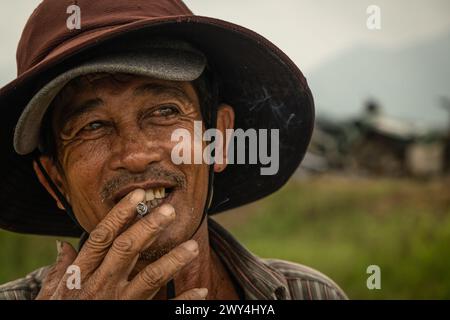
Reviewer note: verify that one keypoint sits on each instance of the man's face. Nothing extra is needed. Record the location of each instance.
(114, 136)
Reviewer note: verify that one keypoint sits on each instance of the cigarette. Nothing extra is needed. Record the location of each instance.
(141, 209)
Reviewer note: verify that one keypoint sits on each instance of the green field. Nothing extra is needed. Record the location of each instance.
(334, 224)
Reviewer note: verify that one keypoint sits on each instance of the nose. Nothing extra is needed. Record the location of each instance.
(134, 152)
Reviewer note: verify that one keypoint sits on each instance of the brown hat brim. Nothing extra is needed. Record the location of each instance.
(264, 86)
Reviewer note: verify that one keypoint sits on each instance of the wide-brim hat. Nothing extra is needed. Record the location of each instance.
(265, 88)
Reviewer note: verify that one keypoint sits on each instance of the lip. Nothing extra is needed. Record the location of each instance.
(148, 185)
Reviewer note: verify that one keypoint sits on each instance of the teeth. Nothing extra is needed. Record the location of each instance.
(154, 203)
(158, 193)
(154, 197)
(149, 195)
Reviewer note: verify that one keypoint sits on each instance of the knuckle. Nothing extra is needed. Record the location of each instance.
(122, 214)
(100, 236)
(153, 276)
(123, 246)
(177, 258)
(151, 226)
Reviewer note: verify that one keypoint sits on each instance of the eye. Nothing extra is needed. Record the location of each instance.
(94, 125)
(165, 111)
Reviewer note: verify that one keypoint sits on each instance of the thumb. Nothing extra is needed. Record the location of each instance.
(65, 257)
(66, 254)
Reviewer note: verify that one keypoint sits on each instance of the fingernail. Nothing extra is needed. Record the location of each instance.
(59, 247)
(137, 195)
(191, 245)
(202, 292)
(167, 210)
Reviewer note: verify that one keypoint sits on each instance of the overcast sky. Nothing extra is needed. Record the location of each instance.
(313, 30)
(310, 31)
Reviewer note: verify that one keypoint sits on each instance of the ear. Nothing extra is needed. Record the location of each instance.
(55, 176)
(225, 120)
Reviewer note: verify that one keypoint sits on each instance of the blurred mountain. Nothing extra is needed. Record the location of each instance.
(408, 82)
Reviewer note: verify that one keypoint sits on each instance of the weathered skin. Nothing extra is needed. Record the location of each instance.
(108, 154)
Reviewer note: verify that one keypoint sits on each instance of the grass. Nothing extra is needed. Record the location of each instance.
(340, 226)
(337, 225)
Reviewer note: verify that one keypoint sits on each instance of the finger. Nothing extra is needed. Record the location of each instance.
(193, 294)
(101, 238)
(66, 256)
(147, 282)
(134, 240)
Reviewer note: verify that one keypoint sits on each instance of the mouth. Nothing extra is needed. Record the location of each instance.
(155, 194)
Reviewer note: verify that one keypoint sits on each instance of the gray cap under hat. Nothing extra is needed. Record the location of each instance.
(172, 60)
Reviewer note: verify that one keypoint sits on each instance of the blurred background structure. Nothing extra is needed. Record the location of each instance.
(373, 188)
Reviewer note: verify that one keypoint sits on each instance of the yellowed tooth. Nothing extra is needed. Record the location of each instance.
(157, 193)
(149, 195)
(163, 192)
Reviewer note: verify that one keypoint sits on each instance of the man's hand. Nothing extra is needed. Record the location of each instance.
(111, 252)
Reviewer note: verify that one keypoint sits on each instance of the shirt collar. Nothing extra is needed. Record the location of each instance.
(258, 280)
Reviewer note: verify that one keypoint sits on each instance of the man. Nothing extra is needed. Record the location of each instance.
(92, 117)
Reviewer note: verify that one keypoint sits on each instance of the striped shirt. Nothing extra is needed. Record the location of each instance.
(256, 278)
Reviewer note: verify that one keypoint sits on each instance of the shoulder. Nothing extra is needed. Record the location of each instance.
(26, 288)
(306, 283)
